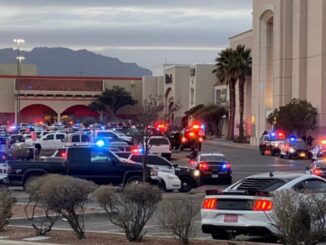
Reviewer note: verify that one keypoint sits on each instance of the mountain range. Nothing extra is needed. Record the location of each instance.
(67, 62)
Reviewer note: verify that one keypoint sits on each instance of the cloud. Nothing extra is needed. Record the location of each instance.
(124, 25)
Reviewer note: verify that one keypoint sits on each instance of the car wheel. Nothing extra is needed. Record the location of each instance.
(162, 186)
(29, 180)
(134, 180)
(288, 156)
(186, 185)
(222, 236)
(262, 152)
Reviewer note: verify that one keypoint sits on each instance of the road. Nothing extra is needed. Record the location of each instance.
(245, 161)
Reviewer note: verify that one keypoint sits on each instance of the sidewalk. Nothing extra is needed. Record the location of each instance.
(223, 142)
(9, 242)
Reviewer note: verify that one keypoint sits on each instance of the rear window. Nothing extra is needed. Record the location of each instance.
(75, 138)
(158, 141)
(212, 158)
(85, 138)
(260, 184)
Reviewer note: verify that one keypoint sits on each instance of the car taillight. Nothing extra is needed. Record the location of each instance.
(317, 172)
(201, 139)
(210, 203)
(262, 205)
(192, 162)
(203, 166)
(184, 140)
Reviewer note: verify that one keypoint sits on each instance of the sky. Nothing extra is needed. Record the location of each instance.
(148, 32)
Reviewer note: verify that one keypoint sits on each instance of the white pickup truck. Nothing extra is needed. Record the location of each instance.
(49, 141)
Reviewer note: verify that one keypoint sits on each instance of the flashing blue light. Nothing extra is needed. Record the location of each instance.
(273, 134)
(203, 126)
(224, 166)
(103, 128)
(292, 139)
(100, 143)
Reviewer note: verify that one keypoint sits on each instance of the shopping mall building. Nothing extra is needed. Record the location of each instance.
(51, 98)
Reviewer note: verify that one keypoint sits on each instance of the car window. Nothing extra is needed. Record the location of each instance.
(85, 138)
(49, 137)
(60, 136)
(106, 135)
(311, 185)
(158, 141)
(211, 158)
(137, 158)
(79, 155)
(156, 160)
(75, 138)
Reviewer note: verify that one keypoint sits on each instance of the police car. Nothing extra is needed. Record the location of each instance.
(246, 207)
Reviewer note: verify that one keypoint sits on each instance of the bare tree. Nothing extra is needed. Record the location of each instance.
(131, 208)
(299, 217)
(178, 217)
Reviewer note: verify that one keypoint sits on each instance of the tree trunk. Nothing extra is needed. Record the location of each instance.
(242, 80)
(230, 135)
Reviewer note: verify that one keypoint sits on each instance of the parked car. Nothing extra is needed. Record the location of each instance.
(269, 144)
(294, 148)
(318, 151)
(111, 135)
(190, 177)
(50, 141)
(15, 138)
(92, 163)
(318, 167)
(213, 166)
(77, 139)
(159, 145)
(246, 207)
(21, 151)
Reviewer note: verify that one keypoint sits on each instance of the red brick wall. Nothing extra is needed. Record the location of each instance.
(54, 84)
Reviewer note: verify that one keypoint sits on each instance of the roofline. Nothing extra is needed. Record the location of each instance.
(71, 77)
(239, 34)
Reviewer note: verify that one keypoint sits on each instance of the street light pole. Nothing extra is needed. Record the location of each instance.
(19, 58)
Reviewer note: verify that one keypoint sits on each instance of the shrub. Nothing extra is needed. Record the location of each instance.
(131, 208)
(67, 196)
(6, 204)
(300, 217)
(44, 224)
(178, 217)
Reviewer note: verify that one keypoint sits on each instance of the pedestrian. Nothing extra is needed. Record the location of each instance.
(265, 133)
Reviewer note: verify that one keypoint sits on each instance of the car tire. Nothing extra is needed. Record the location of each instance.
(134, 180)
(29, 180)
(186, 184)
(288, 156)
(262, 152)
(222, 236)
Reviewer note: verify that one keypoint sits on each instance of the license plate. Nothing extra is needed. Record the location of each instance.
(231, 218)
(302, 154)
(214, 175)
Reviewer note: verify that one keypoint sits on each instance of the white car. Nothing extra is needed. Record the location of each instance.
(159, 145)
(50, 141)
(110, 134)
(246, 206)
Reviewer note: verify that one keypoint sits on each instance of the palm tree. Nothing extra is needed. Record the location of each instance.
(225, 72)
(98, 107)
(243, 62)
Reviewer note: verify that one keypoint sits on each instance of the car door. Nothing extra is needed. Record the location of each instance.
(311, 186)
(160, 163)
(47, 141)
(79, 163)
(59, 141)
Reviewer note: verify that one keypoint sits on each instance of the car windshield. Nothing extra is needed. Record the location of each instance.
(158, 141)
(211, 158)
(259, 184)
(104, 134)
(297, 143)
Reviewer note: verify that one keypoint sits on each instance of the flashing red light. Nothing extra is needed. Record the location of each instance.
(262, 205)
(195, 126)
(184, 140)
(323, 142)
(203, 166)
(317, 172)
(201, 140)
(228, 165)
(280, 134)
(192, 162)
(210, 203)
(191, 134)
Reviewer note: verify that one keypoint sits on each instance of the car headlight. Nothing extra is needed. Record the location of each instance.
(196, 173)
(291, 150)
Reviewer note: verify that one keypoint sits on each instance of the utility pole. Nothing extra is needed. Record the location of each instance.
(19, 58)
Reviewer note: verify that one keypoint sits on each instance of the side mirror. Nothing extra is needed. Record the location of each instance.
(175, 165)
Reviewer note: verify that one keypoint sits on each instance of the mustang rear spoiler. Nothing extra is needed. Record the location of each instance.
(238, 192)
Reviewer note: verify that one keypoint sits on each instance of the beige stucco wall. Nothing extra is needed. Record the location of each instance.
(298, 57)
(203, 82)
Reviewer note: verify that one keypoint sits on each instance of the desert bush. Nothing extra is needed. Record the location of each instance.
(131, 208)
(178, 216)
(66, 196)
(300, 217)
(6, 204)
(44, 224)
